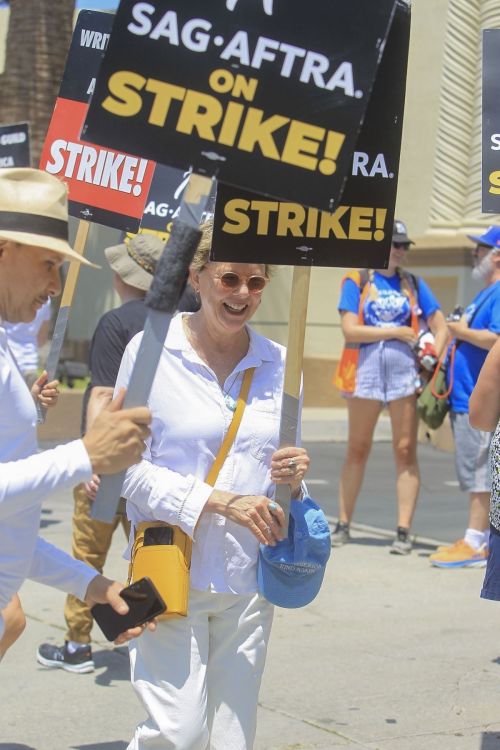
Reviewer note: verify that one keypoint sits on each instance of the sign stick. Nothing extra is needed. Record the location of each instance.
(293, 370)
(64, 310)
(161, 300)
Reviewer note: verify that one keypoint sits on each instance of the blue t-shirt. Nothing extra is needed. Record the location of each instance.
(391, 308)
(469, 358)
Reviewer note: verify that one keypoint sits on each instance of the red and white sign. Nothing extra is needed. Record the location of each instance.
(105, 186)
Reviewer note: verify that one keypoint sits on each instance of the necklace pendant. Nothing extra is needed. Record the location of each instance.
(230, 402)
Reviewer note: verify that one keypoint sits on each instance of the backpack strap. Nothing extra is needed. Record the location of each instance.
(409, 284)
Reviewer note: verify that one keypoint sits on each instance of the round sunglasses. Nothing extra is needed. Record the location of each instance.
(230, 280)
(401, 245)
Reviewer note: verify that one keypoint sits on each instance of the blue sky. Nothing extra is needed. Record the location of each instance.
(97, 4)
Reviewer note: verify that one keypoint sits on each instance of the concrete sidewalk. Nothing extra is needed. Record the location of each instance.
(392, 655)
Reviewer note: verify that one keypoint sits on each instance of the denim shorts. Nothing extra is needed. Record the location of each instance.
(386, 371)
(491, 583)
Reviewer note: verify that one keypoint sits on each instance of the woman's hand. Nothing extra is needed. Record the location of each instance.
(403, 333)
(263, 517)
(289, 466)
(46, 394)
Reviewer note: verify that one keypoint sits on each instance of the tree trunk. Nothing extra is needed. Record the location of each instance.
(38, 40)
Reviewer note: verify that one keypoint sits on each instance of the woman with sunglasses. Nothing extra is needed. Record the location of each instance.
(199, 677)
(381, 320)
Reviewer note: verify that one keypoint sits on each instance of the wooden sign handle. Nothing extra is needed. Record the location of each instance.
(82, 234)
(293, 370)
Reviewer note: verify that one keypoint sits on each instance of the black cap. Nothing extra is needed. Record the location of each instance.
(400, 233)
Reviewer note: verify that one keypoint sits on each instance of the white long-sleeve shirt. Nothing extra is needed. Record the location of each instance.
(190, 419)
(26, 478)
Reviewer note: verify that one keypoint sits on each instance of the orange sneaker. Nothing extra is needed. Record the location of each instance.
(460, 555)
(444, 547)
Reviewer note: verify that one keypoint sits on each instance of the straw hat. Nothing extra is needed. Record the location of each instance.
(135, 261)
(34, 211)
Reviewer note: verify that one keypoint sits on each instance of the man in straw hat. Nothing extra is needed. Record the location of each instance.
(133, 264)
(33, 246)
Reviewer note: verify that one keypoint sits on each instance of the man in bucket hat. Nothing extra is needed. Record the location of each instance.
(133, 264)
(33, 246)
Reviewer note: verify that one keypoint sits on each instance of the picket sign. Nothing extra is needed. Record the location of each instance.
(64, 310)
(161, 300)
(266, 127)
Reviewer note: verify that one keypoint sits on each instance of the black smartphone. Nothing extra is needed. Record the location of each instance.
(144, 603)
(158, 535)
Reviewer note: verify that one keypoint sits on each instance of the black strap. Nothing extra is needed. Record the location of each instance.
(16, 221)
(364, 278)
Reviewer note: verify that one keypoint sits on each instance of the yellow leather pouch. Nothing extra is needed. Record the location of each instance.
(166, 564)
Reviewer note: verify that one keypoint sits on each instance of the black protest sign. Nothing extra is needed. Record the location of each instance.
(491, 122)
(105, 186)
(164, 202)
(263, 95)
(251, 228)
(14, 145)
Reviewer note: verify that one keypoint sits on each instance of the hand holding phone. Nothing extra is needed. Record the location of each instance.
(144, 601)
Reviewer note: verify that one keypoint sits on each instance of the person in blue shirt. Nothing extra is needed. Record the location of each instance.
(475, 334)
(383, 314)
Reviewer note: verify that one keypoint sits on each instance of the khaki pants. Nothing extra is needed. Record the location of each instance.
(91, 542)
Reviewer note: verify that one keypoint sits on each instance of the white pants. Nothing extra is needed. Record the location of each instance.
(199, 677)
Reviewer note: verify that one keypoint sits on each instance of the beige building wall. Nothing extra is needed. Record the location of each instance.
(438, 192)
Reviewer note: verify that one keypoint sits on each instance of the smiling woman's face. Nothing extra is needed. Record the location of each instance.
(229, 294)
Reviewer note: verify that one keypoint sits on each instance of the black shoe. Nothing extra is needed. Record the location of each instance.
(340, 535)
(402, 543)
(64, 657)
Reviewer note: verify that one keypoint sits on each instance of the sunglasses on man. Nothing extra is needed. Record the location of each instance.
(480, 249)
(401, 245)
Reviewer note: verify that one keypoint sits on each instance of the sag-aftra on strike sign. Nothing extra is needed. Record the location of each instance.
(266, 95)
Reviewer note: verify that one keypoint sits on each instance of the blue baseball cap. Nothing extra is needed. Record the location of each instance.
(491, 237)
(291, 573)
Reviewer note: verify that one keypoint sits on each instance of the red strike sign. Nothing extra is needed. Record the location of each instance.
(97, 177)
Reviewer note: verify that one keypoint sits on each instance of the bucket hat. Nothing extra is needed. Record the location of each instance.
(34, 211)
(135, 260)
(290, 574)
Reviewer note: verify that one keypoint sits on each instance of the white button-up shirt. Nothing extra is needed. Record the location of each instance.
(190, 419)
(26, 478)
